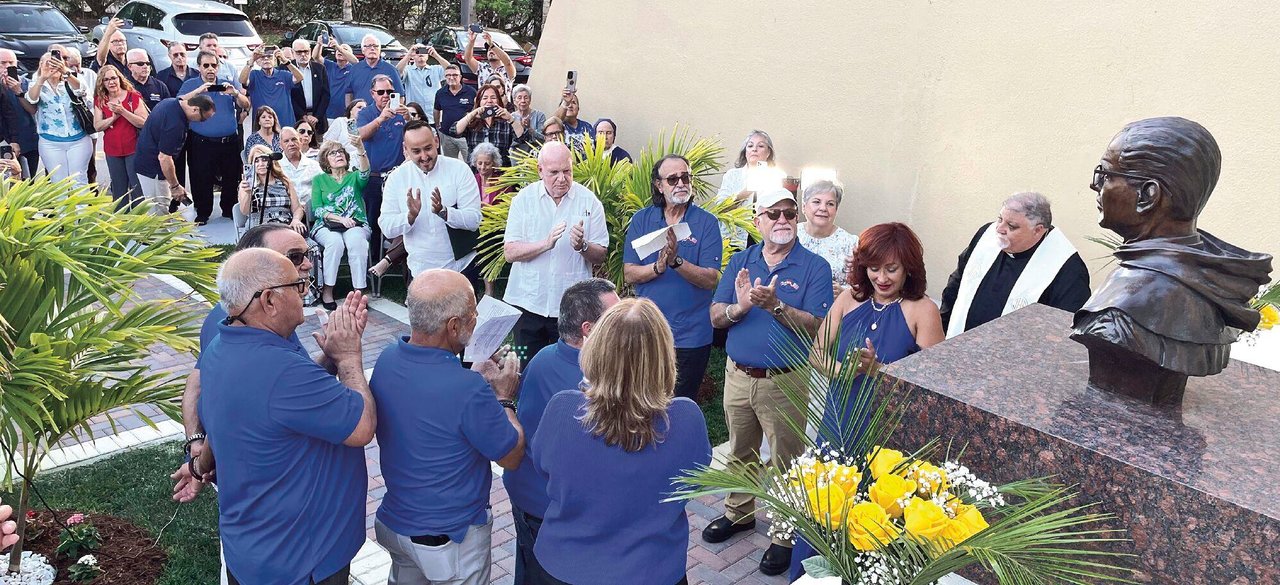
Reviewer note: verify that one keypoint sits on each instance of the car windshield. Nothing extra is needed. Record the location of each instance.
(34, 19)
(223, 25)
(504, 40)
(352, 35)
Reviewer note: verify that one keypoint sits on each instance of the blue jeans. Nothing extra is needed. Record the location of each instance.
(527, 571)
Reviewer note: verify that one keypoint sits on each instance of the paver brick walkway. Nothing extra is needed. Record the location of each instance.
(731, 563)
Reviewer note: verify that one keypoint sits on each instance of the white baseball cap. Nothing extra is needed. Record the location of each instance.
(772, 197)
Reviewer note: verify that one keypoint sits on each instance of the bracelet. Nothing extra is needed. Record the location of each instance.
(508, 403)
(655, 269)
(728, 316)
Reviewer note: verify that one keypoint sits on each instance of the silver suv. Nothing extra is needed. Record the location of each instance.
(158, 24)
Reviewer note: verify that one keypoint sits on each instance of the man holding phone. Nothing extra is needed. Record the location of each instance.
(421, 79)
(496, 62)
(19, 124)
(112, 51)
(381, 128)
(214, 142)
(337, 72)
(269, 86)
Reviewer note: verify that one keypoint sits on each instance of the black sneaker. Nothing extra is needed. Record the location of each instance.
(776, 560)
(722, 529)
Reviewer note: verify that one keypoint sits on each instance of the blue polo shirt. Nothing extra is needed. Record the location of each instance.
(209, 330)
(362, 78)
(339, 86)
(608, 504)
(153, 91)
(223, 122)
(453, 107)
(553, 369)
(439, 426)
(165, 131)
(687, 307)
(277, 421)
(170, 79)
(386, 149)
(804, 281)
(273, 90)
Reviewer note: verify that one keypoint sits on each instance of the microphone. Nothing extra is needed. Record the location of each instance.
(277, 156)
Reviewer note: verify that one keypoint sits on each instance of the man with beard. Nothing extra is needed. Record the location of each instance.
(681, 277)
(773, 291)
(443, 187)
(1019, 259)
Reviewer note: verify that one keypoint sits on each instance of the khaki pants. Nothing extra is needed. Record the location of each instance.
(756, 408)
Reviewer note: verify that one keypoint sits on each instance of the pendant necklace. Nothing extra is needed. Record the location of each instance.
(880, 309)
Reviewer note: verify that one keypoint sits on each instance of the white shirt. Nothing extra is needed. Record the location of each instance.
(427, 239)
(301, 177)
(536, 285)
(305, 68)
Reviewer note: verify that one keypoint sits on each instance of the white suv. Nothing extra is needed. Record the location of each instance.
(158, 24)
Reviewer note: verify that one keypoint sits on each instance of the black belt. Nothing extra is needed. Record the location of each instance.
(430, 539)
(216, 139)
(761, 372)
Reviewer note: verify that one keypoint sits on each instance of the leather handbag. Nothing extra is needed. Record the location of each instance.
(81, 111)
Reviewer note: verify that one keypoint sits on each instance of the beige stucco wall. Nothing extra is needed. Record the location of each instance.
(933, 111)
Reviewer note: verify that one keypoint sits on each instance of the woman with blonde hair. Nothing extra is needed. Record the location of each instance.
(119, 113)
(281, 204)
(628, 433)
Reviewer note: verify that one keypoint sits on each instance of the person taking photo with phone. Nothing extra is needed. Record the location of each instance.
(489, 122)
(269, 86)
(112, 50)
(422, 79)
(65, 146)
(337, 72)
(19, 124)
(214, 142)
(381, 128)
(496, 61)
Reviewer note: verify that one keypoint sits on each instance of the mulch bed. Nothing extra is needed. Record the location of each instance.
(128, 555)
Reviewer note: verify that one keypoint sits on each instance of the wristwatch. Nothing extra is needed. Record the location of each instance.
(779, 308)
(186, 447)
(678, 262)
(511, 404)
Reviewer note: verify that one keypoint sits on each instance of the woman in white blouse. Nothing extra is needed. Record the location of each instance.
(820, 234)
(753, 171)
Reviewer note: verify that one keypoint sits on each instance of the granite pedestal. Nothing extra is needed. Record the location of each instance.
(1196, 486)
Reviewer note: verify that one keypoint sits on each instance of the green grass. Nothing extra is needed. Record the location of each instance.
(135, 485)
(713, 407)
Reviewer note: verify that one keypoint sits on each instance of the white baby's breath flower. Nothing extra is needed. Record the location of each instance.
(89, 560)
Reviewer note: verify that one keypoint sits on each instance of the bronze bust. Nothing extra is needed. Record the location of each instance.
(1180, 296)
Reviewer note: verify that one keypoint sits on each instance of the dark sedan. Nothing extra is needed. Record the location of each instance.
(451, 41)
(350, 33)
(28, 28)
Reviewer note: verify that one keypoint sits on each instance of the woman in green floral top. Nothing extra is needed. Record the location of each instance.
(337, 204)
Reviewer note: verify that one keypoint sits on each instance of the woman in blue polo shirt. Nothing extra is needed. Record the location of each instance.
(609, 454)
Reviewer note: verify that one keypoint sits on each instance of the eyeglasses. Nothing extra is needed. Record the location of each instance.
(337, 153)
(298, 257)
(370, 45)
(1100, 176)
(140, 63)
(774, 214)
(383, 91)
(208, 65)
(301, 285)
(558, 133)
(674, 180)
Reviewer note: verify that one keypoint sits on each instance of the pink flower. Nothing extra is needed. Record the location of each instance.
(31, 514)
(75, 519)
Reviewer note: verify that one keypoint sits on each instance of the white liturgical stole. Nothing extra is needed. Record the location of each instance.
(1054, 251)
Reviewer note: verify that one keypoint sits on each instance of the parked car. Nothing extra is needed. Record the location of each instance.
(28, 28)
(158, 24)
(451, 41)
(350, 33)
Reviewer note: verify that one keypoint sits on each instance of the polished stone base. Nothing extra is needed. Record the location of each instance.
(1196, 486)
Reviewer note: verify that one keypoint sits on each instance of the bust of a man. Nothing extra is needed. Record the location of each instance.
(1179, 296)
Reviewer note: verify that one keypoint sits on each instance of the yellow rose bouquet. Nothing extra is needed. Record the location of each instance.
(879, 516)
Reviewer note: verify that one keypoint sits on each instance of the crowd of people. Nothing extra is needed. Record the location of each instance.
(387, 163)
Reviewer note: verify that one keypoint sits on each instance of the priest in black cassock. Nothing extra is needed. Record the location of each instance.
(1012, 262)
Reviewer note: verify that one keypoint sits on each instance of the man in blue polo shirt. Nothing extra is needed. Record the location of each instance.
(271, 86)
(771, 292)
(440, 425)
(681, 277)
(159, 143)
(214, 142)
(338, 72)
(453, 101)
(291, 475)
(381, 127)
(364, 71)
(554, 369)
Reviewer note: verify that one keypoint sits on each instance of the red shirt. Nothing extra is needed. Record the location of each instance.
(121, 138)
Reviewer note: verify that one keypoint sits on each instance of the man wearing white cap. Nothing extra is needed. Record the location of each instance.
(770, 293)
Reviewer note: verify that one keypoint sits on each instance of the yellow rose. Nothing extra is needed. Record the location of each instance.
(929, 478)
(924, 519)
(828, 504)
(968, 522)
(806, 476)
(884, 462)
(846, 477)
(887, 490)
(1270, 317)
(870, 526)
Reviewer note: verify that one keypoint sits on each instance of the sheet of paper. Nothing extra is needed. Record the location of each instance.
(495, 322)
(655, 240)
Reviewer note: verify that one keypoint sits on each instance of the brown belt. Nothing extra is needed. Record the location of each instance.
(761, 372)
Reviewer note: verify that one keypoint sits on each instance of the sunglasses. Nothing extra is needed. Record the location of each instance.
(297, 257)
(674, 180)
(301, 285)
(383, 91)
(208, 65)
(413, 114)
(304, 131)
(774, 214)
(140, 63)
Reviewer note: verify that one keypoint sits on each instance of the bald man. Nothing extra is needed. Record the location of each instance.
(291, 474)
(153, 90)
(439, 427)
(310, 96)
(111, 51)
(555, 233)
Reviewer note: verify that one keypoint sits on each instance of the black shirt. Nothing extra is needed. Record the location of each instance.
(152, 91)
